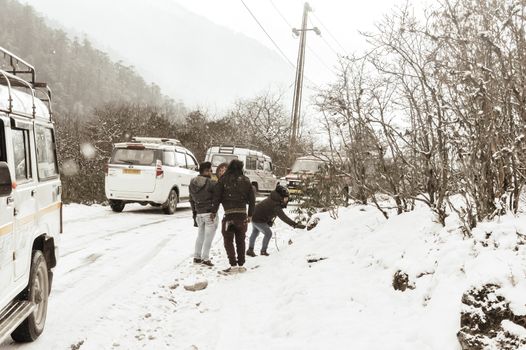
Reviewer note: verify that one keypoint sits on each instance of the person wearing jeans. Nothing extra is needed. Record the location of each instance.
(264, 215)
(264, 228)
(201, 200)
(207, 228)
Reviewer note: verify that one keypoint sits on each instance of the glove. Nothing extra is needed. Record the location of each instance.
(300, 226)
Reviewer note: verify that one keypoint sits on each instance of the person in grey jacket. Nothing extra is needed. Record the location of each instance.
(201, 200)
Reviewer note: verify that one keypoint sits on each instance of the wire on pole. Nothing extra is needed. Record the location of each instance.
(268, 35)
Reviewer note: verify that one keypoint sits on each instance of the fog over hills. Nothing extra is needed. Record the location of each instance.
(190, 57)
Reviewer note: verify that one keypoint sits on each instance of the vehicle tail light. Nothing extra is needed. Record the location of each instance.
(159, 169)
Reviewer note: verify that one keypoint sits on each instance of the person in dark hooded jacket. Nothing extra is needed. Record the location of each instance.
(201, 200)
(264, 216)
(234, 192)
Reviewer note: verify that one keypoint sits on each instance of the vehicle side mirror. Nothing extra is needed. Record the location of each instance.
(6, 184)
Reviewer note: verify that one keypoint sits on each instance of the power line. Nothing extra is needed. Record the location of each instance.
(273, 42)
(280, 14)
(329, 32)
(326, 42)
(308, 47)
(268, 35)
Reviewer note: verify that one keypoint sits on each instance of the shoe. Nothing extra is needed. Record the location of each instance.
(198, 261)
(207, 263)
(264, 252)
(250, 252)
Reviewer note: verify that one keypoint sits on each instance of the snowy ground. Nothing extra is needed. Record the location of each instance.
(119, 283)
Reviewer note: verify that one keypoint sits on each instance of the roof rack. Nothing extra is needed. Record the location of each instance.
(231, 148)
(159, 140)
(17, 73)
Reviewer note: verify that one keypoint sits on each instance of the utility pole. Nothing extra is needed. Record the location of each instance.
(298, 85)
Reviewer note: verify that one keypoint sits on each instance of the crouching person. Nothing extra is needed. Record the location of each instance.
(201, 199)
(264, 216)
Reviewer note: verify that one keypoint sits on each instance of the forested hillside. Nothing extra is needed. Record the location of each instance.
(81, 76)
(98, 102)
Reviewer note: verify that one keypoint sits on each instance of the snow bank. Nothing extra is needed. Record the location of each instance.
(329, 288)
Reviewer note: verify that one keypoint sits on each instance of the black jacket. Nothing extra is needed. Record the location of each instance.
(234, 193)
(201, 194)
(267, 210)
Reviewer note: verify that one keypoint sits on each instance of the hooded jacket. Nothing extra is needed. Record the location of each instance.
(202, 194)
(234, 193)
(268, 209)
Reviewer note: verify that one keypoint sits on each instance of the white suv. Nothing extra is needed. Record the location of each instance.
(30, 201)
(148, 170)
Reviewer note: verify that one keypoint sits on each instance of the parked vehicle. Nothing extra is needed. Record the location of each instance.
(258, 166)
(30, 201)
(147, 170)
(305, 170)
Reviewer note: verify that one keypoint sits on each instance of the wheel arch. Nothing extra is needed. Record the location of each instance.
(46, 244)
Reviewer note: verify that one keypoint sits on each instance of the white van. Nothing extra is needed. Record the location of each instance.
(258, 166)
(149, 170)
(30, 201)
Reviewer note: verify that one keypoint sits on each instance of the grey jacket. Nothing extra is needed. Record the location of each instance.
(202, 194)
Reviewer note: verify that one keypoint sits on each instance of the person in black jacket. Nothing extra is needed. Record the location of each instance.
(234, 191)
(201, 200)
(264, 216)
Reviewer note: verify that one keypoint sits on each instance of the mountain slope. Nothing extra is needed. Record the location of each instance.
(81, 76)
(189, 56)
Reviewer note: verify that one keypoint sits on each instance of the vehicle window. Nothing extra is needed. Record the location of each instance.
(46, 153)
(169, 158)
(21, 154)
(222, 158)
(132, 156)
(261, 164)
(180, 159)
(191, 162)
(268, 167)
(251, 163)
(307, 166)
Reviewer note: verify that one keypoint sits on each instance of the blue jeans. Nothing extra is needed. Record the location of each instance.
(206, 231)
(256, 229)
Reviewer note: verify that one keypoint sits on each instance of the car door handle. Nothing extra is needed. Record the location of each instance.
(33, 192)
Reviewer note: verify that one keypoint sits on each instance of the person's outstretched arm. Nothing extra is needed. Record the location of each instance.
(285, 218)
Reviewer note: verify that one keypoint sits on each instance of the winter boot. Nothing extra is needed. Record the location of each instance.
(207, 263)
(264, 252)
(250, 252)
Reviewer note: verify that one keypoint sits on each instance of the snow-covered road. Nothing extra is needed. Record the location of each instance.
(105, 258)
(119, 283)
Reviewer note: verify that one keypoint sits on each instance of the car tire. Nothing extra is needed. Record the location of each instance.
(37, 292)
(170, 206)
(117, 206)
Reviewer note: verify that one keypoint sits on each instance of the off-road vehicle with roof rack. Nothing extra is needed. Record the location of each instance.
(258, 166)
(149, 170)
(30, 200)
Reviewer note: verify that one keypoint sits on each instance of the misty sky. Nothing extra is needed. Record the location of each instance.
(339, 22)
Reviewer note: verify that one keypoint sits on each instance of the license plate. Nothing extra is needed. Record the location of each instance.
(131, 171)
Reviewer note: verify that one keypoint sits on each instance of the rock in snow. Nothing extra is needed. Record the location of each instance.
(196, 286)
(488, 322)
